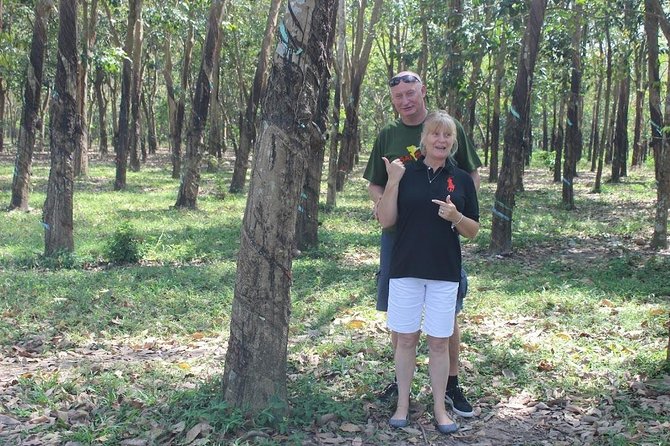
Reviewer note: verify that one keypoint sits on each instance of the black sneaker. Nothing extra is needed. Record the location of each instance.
(389, 391)
(455, 398)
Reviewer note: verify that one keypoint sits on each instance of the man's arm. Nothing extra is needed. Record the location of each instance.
(476, 178)
(375, 192)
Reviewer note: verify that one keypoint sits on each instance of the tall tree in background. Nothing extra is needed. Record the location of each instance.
(90, 23)
(248, 121)
(31, 107)
(190, 178)
(655, 15)
(335, 134)
(452, 70)
(573, 134)
(255, 369)
(134, 11)
(135, 125)
(65, 136)
(513, 150)
(606, 121)
(364, 35)
(3, 91)
(176, 97)
(307, 225)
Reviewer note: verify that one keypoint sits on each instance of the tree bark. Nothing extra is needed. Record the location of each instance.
(513, 150)
(3, 99)
(65, 137)
(621, 129)
(31, 108)
(135, 133)
(248, 124)
(190, 179)
(495, 121)
(307, 225)
(362, 45)
(654, 15)
(640, 90)
(255, 370)
(122, 149)
(335, 134)
(606, 120)
(90, 22)
(98, 86)
(573, 137)
(452, 73)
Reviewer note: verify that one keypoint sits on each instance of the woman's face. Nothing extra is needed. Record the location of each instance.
(438, 142)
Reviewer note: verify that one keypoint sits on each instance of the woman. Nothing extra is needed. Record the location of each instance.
(431, 202)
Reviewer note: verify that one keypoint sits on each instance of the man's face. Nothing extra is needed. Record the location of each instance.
(408, 101)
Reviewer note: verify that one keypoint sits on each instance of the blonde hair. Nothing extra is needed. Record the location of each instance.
(439, 119)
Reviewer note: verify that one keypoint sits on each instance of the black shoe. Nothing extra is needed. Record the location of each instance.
(389, 391)
(455, 398)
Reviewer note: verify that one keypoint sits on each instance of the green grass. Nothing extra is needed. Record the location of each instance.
(578, 310)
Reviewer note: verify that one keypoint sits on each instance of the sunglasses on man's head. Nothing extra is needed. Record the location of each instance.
(406, 78)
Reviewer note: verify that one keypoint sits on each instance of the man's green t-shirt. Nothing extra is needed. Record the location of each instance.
(398, 140)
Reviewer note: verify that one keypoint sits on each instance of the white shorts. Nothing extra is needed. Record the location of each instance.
(411, 298)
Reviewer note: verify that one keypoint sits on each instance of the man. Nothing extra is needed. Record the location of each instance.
(400, 139)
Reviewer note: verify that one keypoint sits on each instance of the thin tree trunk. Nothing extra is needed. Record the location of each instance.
(606, 119)
(560, 140)
(452, 73)
(90, 23)
(495, 121)
(640, 73)
(255, 369)
(336, 135)
(307, 224)
(31, 108)
(65, 137)
(654, 15)
(248, 124)
(135, 95)
(360, 58)
(214, 136)
(134, 10)
(573, 140)
(509, 179)
(98, 86)
(190, 179)
(3, 100)
(621, 129)
(594, 140)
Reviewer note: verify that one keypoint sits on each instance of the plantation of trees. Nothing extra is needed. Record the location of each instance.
(281, 102)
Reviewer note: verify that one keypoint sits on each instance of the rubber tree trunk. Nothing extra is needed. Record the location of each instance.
(65, 136)
(98, 86)
(495, 120)
(90, 22)
(573, 135)
(654, 15)
(362, 45)
(31, 108)
(135, 132)
(122, 148)
(255, 369)
(620, 146)
(307, 225)
(606, 116)
(248, 124)
(190, 178)
(510, 173)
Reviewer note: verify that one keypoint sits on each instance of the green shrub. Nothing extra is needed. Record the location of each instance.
(125, 245)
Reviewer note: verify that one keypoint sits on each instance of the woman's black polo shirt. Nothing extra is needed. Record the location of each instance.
(425, 246)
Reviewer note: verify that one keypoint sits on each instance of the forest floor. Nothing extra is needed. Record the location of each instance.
(563, 342)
